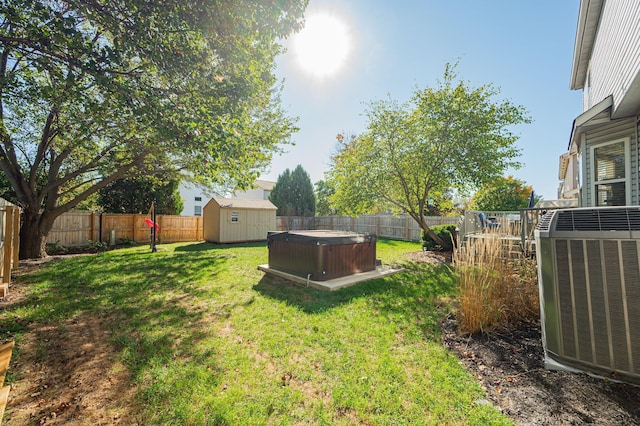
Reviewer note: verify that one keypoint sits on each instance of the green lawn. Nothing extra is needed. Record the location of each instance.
(209, 339)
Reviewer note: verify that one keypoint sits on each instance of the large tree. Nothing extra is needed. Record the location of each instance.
(452, 136)
(94, 91)
(503, 194)
(293, 193)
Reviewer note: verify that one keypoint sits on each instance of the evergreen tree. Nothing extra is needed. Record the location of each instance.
(293, 193)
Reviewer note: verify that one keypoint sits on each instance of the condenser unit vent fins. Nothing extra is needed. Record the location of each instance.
(618, 219)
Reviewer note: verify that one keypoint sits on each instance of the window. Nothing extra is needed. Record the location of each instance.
(197, 210)
(234, 216)
(610, 170)
(198, 198)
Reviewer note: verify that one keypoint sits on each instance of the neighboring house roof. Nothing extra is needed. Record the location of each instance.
(588, 19)
(265, 184)
(234, 203)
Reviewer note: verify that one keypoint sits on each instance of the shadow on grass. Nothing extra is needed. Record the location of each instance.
(205, 246)
(135, 290)
(410, 294)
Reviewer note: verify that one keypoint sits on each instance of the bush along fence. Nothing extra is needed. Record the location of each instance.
(9, 242)
(81, 228)
(384, 226)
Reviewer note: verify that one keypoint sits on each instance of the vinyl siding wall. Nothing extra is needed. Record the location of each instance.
(614, 131)
(615, 60)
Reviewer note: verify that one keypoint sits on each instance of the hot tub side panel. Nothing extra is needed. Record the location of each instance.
(321, 262)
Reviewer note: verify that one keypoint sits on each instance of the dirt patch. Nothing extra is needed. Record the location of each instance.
(509, 365)
(430, 256)
(66, 373)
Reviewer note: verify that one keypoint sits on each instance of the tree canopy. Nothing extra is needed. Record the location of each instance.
(502, 194)
(323, 192)
(136, 194)
(451, 136)
(91, 92)
(293, 193)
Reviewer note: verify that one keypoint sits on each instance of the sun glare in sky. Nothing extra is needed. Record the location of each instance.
(323, 45)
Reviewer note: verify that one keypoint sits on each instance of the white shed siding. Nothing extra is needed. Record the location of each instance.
(615, 60)
(616, 130)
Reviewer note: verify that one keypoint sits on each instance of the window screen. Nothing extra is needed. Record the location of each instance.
(610, 174)
(610, 161)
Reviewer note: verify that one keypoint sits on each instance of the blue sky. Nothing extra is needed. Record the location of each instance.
(525, 48)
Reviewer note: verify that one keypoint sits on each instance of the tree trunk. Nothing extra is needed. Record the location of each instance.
(446, 245)
(33, 234)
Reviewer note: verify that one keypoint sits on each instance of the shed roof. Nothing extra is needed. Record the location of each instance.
(235, 203)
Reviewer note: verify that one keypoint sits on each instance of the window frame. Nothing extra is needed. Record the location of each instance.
(627, 171)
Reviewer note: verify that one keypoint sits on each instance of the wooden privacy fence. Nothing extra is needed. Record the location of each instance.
(77, 228)
(9, 242)
(385, 226)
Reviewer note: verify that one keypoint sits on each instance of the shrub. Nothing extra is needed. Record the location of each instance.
(56, 248)
(97, 246)
(444, 232)
(126, 241)
(498, 284)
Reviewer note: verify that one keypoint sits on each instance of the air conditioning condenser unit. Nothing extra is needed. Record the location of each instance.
(589, 279)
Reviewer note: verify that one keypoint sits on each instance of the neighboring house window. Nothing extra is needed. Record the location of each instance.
(610, 168)
(197, 210)
(198, 198)
(266, 194)
(234, 216)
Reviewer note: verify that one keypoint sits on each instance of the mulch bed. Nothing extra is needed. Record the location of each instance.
(509, 365)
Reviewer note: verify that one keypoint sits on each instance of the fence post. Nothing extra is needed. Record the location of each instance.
(8, 245)
(92, 227)
(16, 236)
(407, 224)
(101, 230)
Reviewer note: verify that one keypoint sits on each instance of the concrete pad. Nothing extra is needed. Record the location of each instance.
(336, 283)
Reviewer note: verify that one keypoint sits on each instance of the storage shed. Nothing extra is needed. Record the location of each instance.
(230, 220)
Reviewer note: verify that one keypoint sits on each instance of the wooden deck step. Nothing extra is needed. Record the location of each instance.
(5, 358)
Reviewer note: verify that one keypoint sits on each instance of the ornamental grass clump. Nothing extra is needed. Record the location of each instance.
(498, 284)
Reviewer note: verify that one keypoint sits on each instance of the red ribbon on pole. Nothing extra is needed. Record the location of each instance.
(151, 223)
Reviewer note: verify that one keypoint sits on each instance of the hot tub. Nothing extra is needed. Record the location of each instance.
(321, 255)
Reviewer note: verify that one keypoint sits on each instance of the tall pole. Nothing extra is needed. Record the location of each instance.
(153, 227)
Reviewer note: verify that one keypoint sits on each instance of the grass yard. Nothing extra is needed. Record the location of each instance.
(194, 334)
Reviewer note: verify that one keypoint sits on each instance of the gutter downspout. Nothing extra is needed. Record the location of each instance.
(637, 159)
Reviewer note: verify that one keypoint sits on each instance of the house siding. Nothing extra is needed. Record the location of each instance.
(615, 60)
(616, 130)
